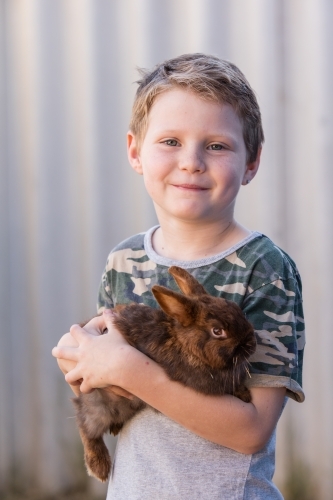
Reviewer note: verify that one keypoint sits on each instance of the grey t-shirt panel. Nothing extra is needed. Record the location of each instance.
(168, 462)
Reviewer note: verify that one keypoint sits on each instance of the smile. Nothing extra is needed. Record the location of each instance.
(191, 187)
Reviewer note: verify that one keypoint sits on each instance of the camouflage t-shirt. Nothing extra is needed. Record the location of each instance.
(264, 282)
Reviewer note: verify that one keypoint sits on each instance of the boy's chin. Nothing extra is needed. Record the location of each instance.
(191, 212)
(193, 218)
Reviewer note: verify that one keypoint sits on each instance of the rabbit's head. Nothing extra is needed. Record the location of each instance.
(209, 330)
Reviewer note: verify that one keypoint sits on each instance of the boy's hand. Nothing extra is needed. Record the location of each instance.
(93, 360)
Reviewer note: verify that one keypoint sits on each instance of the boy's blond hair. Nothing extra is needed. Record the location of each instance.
(210, 78)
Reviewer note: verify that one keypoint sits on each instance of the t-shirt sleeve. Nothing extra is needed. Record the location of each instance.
(276, 313)
(104, 300)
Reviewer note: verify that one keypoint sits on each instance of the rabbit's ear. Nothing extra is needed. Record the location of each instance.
(175, 304)
(186, 282)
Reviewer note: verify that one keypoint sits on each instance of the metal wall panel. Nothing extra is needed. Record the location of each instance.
(67, 194)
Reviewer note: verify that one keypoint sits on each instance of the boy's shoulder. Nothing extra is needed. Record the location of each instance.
(128, 253)
(263, 254)
(134, 242)
(127, 274)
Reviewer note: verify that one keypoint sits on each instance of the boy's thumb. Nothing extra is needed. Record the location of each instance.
(108, 312)
(108, 315)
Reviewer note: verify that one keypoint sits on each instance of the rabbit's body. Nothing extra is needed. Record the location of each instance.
(201, 341)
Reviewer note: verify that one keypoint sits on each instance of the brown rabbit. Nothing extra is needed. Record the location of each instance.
(201, 341)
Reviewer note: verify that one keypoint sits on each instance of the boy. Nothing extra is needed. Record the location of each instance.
(196, 137)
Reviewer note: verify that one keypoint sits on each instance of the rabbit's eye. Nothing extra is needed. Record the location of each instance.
(218, 333)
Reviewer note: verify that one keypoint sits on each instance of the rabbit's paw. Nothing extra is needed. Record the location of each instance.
(98, 461)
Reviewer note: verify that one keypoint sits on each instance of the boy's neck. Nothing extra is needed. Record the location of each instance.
(180, 241)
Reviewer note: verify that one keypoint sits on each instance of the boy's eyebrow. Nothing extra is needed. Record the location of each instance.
(174, 130)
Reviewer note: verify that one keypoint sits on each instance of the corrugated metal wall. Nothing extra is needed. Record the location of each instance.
(67, 195)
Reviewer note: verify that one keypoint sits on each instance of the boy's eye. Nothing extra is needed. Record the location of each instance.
(171, 142)
(215, 147)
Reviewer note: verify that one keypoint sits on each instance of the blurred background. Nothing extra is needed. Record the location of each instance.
(68, 195)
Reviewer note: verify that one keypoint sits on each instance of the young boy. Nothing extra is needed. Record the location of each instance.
(196, 137)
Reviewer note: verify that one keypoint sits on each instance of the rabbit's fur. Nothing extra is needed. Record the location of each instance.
(201, 341)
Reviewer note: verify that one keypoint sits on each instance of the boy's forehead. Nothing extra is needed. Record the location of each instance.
(180, 96)
(174, 107)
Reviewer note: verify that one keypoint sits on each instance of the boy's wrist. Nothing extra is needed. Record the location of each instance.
(127, 359)
(137, 371)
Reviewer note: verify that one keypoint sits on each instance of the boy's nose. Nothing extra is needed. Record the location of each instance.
(192, 161)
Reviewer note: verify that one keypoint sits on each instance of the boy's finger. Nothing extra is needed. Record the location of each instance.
(77, 332)
(95, 326)
(62, 352)
(77, 382)
(114, 389)
(85, 388)
(73, 377)
(108, 317)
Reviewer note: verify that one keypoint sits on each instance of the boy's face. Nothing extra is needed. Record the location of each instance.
(192, 158)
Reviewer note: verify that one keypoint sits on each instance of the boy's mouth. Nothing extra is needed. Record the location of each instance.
(193, 187)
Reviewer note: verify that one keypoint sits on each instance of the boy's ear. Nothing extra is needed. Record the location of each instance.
(133, 152)
(252, 168)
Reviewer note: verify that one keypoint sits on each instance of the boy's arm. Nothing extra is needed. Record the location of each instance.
(108, 360)
(225, 420)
